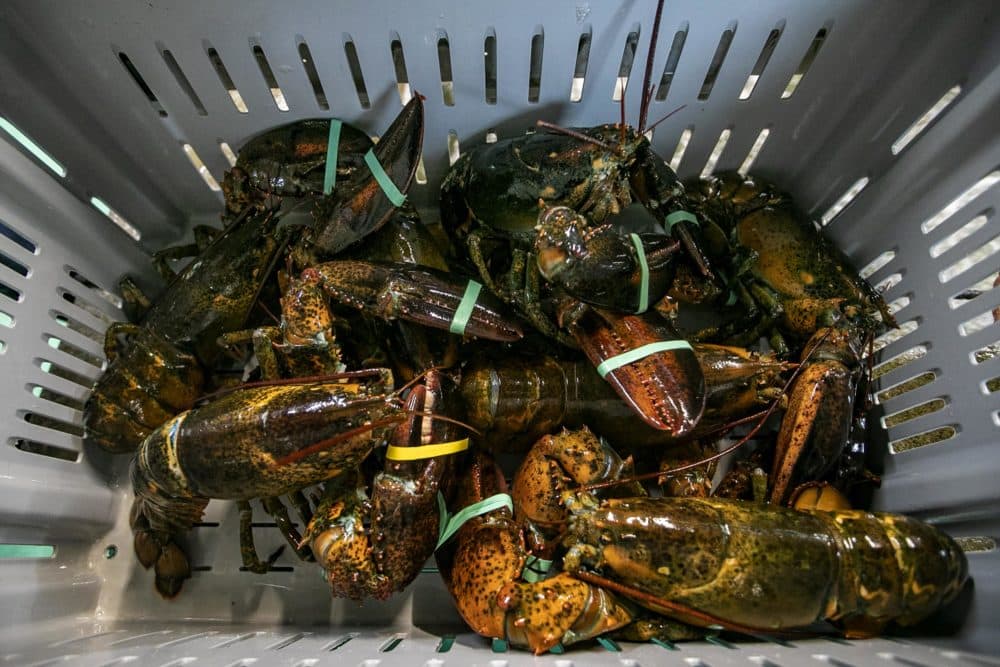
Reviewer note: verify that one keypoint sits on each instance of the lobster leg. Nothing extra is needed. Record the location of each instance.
(287, 528)
(413, 293)
(251, 561)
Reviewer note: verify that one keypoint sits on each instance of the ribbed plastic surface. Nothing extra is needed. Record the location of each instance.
(826, 90)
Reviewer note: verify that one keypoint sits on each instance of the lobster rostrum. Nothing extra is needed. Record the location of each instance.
(798, 288)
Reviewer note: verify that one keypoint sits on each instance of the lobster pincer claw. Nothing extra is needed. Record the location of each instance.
(371, 195)
(418, 294)
(654, 371)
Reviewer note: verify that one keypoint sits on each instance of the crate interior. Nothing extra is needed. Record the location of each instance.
(118, 117)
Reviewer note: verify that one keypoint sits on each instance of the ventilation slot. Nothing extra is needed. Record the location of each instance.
(887, 283)
(877, 263)
(716, 153)
(200, 167)
(807, 61)
(765, 55)
(288, 641)
(47, 366)
(309, 65)
(351, 52)
(339, 643)
(535, 65)
(399, 65)
(58, 344)
(86, 306)
(490, 66)
(40, 154)
(682, 144)
(14, 265)
(43, 449)
(921, 410)
(981, 186)
(16, 551)
(143, 86)
(116, 218)
(893, 335)
(755, 150)
(391, 644)
(10, 292)
(844, 201)
(925, 120)
(985, 353)
(17, 237)
(959, 235)
(420, 174)
(46, 394)
(720, 56)
(972, 259)
(268, 74)
(580, 69)
(227, 82)
(909, 385)
(228, 153)
(976, 544)
(976, 324)
(491, 136)
(673, 58)
(454, 151)
(896, 305)
(183, 82)
(444, 68)
(991, 385)
(6, 320)
(45, 421)
(922, 439)
(625, 67)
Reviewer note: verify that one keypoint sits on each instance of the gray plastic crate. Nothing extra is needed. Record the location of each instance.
(122, 94)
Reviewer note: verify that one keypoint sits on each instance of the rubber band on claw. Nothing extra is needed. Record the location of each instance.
(417, 453)
(626, 358)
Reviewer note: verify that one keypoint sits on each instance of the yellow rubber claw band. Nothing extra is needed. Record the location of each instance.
(638, 353)
(644, 272)
(395, 453)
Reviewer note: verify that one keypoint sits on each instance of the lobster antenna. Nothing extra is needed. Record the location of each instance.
(653, 126)
(647, 93)
(573, 133)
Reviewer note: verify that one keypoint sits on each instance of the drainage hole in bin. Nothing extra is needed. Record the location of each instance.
(228, 153)
(806, 62)
(721, 50)
(14, 265)
(765, 55)
(976, 544)
(535, 65)
(309, 65)
(580, 68)
(26, 551)
(391, 644)
(985, 353)
(272, 83)
(17, 237)
(885, 655)
(975, 257)
(490, 65)
(445, 643)
(878, 263)
(199, 166)
(978, 323)
(758, 146)
(909, 414)
(242, 662)
(111, 298)
(975, 291)
(110, 551)
(991, 386)
(351, 53)
(930, 437)
(925, 120)
(444, 69)
(625, 66)
(399, 67)
(762, 661)
(287, 641)
(52, 423)
(47, 366)
(220, 70)
(830, 660)
(908, 385)
(338, 643)
(10, 292)
(68, 348)
(72, 324)
(682, 144)
(716, 153)
(141, 82)
(844, 201)
(959, 202)
(183, 81)
(34, 149)
(673, 57)
(115, 217)
(52, 451)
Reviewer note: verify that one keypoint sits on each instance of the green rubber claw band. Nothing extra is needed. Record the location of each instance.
(535, 569)
(644, 271)
(679, 216)
(388, 187)
(332, 146)
(638, 353)
(732, 293)
(494, 502)
(465, 307)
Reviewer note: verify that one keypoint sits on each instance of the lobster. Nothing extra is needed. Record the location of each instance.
(490, 200)
(695, 560)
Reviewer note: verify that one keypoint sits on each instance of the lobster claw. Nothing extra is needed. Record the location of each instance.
(372, 195)
(666, 388)
(414, 293)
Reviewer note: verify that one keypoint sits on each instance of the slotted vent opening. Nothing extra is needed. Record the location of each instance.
(354, 65)
(309, 65)
(454, 150)
(807, 60)
(985, 353)
(976, 324)
(200, 167)
(974, 258)
(18, 238)
(580, 67)
(765, 56)
(46, 394)
(399, 67)
(625, 66)
(227, 82)
(33, 148)
(893, 335)
(444, 69)
(228, 153)
(47, 366)
(682, 144)
(86, 307)
(535, 65)
(182, 81)
(959, 202)
(721, 50)
(44, 421)
(959, 235)
(272, 82)
(933, 436)
(116, 217)
(10, 292)
(45, 449)
(906, 386)
(900, 360)
(141, 83)
(713, 157)
(490, 66)
(925, 120)
(876, 264)
(915, 412)
(844, 201)
(57, 343)
(754, 152)
(14, 265)
(673, 58)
